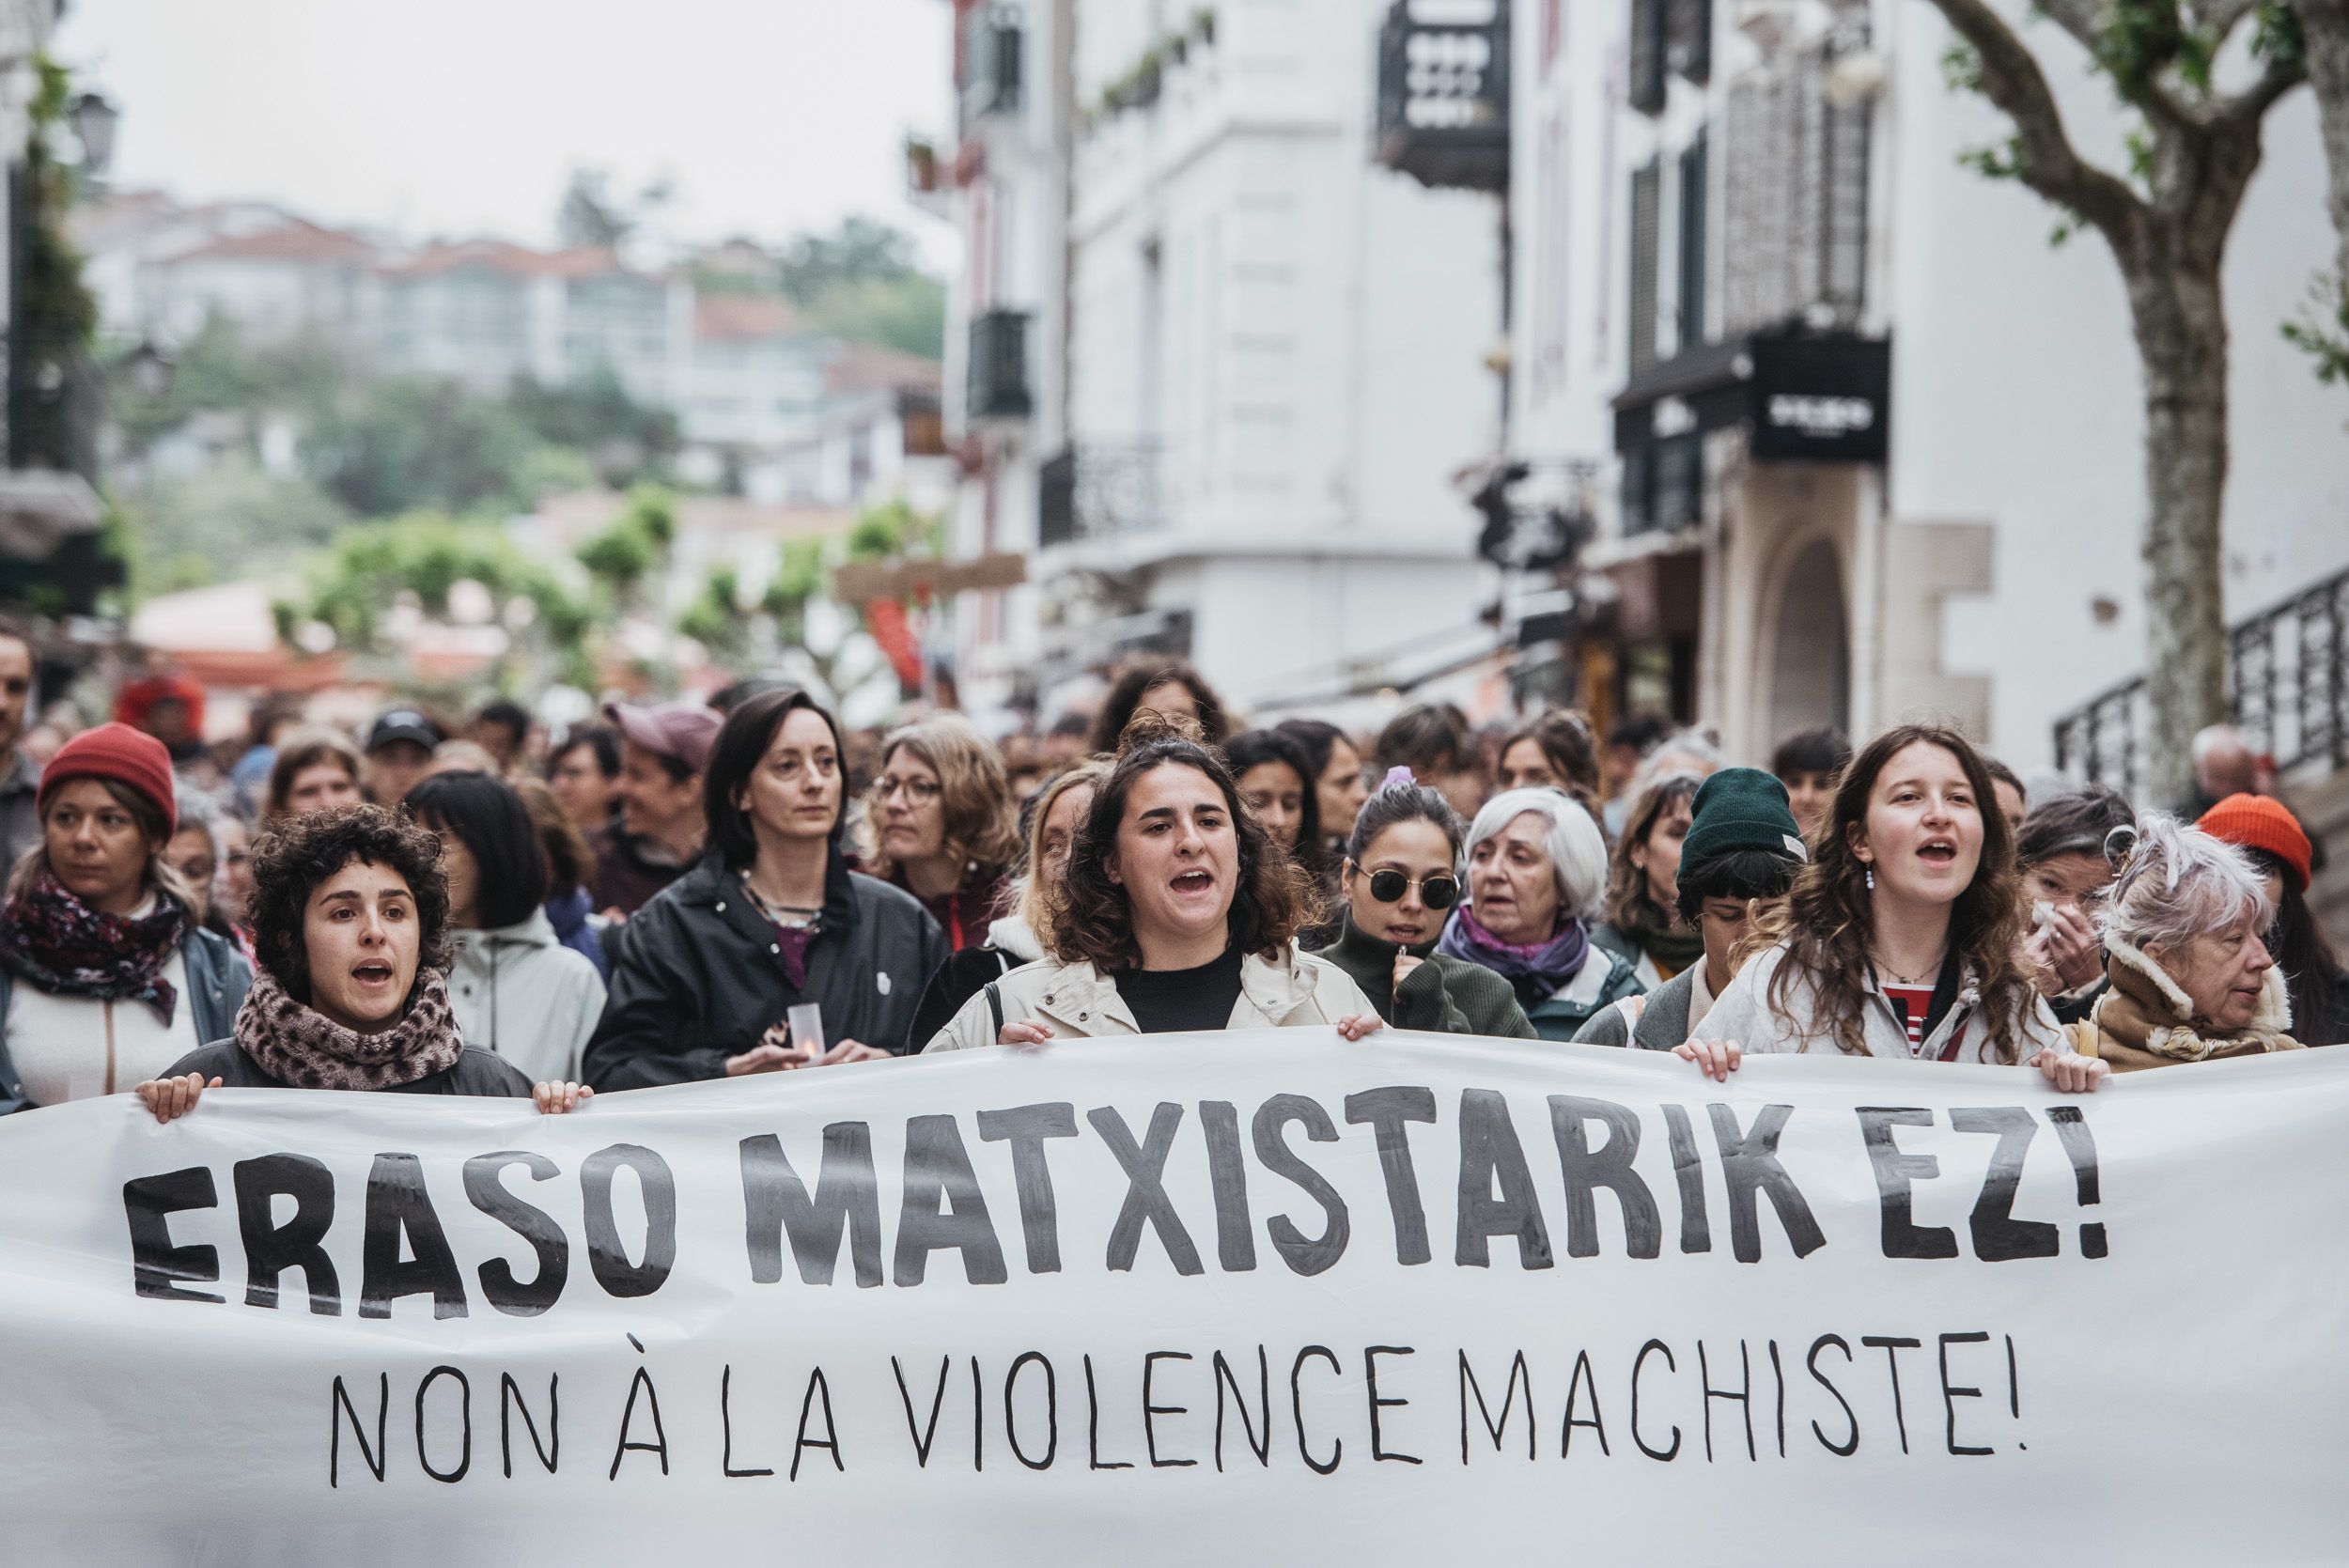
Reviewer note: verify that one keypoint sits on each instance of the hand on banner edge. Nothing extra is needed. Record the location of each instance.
(1715, 1058)
(170, 1098)
(2072, 1075)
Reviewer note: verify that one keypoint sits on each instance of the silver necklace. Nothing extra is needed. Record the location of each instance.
(790, 916)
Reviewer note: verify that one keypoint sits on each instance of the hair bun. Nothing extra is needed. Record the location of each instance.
(1398, 774)
(1150, 724)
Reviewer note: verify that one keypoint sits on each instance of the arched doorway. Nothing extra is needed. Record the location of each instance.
(1811, 664)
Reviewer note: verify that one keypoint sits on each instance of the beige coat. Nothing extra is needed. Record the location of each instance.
(1296, 991)
(2146, 1021)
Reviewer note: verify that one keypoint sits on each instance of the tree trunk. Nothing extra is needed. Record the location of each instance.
(2182, 336)
(2324, 27)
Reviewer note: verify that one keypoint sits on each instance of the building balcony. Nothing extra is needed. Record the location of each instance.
(991, 62)
(1444, 97)
(1096, 490)
(998, 386)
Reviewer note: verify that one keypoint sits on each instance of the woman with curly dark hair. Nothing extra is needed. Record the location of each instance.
(351, 925)
(1167, 687)
(1177, 913)
(1904, 935)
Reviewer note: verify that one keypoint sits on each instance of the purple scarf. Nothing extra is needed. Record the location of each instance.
(62, 946)
(1546, 966)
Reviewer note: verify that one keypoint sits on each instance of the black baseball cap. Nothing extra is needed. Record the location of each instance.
(402, 723)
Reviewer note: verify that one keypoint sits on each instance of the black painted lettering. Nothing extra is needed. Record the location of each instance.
(1583, 1378)
(1052, 1410)
(1151, 1412)
(156, 1263)
(1895, 1173)
(1998, 1236)
(399, 1209)
(1850, 1446)
(338, 1410)
(1750, 1168)
(1743, 1398)
(642, 1383)
(1227, 1172)
(607, 1256)
(1893, 1347)
(1389, 1112)
(1260, 1446)
(818, 1389)
(2079, 1147)
(1639, 1363)
(1093, 1427)
(1696, 1233)
(1370, 1380)
(1520, 1378)
(1146, 1201)
(510, 1400)
(1304, 1254)
(1025, 1128)
(1490, 1156)
(923, 1436)
(488, 1193)
(1297, 1408)
(271, 1248)
(1588, 1170)
(726, 1421)
(1952, 1394)
(942, 1207)
(464, 1421)
(846, 1204)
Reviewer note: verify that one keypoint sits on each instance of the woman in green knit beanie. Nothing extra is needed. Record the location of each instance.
(1400, 881)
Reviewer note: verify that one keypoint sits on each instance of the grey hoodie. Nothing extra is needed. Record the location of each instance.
(520, 992)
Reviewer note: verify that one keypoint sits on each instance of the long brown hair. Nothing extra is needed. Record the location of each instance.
(1629, 910)
(1829, 916)
(1092, 921)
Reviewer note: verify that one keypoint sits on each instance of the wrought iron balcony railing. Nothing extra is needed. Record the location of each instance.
(1096, 489)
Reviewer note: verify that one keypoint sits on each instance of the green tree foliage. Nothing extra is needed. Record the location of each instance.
(405, 443)
(185, 533)
(425, 554)
(633, 547)
(861, 283)
(55, 313)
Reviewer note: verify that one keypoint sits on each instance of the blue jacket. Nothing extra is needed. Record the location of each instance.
(218, 977)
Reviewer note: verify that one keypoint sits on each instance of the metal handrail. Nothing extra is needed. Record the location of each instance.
(2287, 688)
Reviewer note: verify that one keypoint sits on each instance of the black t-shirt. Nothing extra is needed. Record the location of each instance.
(1165, 1002)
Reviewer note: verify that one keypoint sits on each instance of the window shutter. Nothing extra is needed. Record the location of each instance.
(1647, 56)
(1646, 199)
(1693, 316)
(1691, 48)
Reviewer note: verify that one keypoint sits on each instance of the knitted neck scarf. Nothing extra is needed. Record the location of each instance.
(303, 1049)
(61, 945)
(1549, 965)
(1674, 949)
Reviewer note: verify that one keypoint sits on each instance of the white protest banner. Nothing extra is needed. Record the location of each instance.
(1264, 1297)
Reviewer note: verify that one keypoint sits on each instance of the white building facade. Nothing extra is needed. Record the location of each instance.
(1270, 357)
(1860, 444)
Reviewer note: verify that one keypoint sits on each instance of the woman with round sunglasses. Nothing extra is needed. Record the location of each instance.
(1399, 884)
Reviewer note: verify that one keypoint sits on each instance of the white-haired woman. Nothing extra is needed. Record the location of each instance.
(2192, 980)
(1536, 870)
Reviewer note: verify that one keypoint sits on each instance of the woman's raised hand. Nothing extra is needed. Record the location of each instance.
(2074, 1075)
(169, 1097)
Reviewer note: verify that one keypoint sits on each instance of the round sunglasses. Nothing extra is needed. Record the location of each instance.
(1439, 892)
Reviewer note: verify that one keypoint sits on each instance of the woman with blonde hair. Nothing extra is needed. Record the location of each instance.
(940, 822)
(1058, 815)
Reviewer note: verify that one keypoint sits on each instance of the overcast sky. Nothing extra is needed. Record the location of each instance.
(453, 118)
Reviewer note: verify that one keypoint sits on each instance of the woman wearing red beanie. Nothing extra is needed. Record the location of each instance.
(2272, 836)
(105, 977)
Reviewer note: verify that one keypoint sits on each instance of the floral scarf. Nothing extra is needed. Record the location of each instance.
(61, 945)
(1538, 969)
(303, 1049)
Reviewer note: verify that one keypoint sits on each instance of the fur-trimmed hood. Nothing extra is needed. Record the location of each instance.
(2147, 1012)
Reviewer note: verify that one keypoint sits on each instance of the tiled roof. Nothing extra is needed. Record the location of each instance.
(294, 242)
(862, 367)
(498, 255)
(737, 318)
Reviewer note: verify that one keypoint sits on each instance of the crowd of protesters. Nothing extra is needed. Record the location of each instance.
(683, 891)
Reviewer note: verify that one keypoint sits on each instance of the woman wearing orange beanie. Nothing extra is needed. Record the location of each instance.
(105, 977)
(2281, 851)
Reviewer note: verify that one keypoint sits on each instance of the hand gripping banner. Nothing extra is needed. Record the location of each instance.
(1263, 1297)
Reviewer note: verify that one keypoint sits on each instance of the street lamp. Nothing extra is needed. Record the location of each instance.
(147, 369)
(93, 120)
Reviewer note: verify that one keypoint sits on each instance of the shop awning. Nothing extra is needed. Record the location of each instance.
(41, 508)
(1803, 396)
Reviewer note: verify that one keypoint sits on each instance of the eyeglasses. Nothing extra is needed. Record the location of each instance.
(918, 792)
(1439, 892)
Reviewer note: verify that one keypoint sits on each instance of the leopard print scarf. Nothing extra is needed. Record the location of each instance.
(302, 1047)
